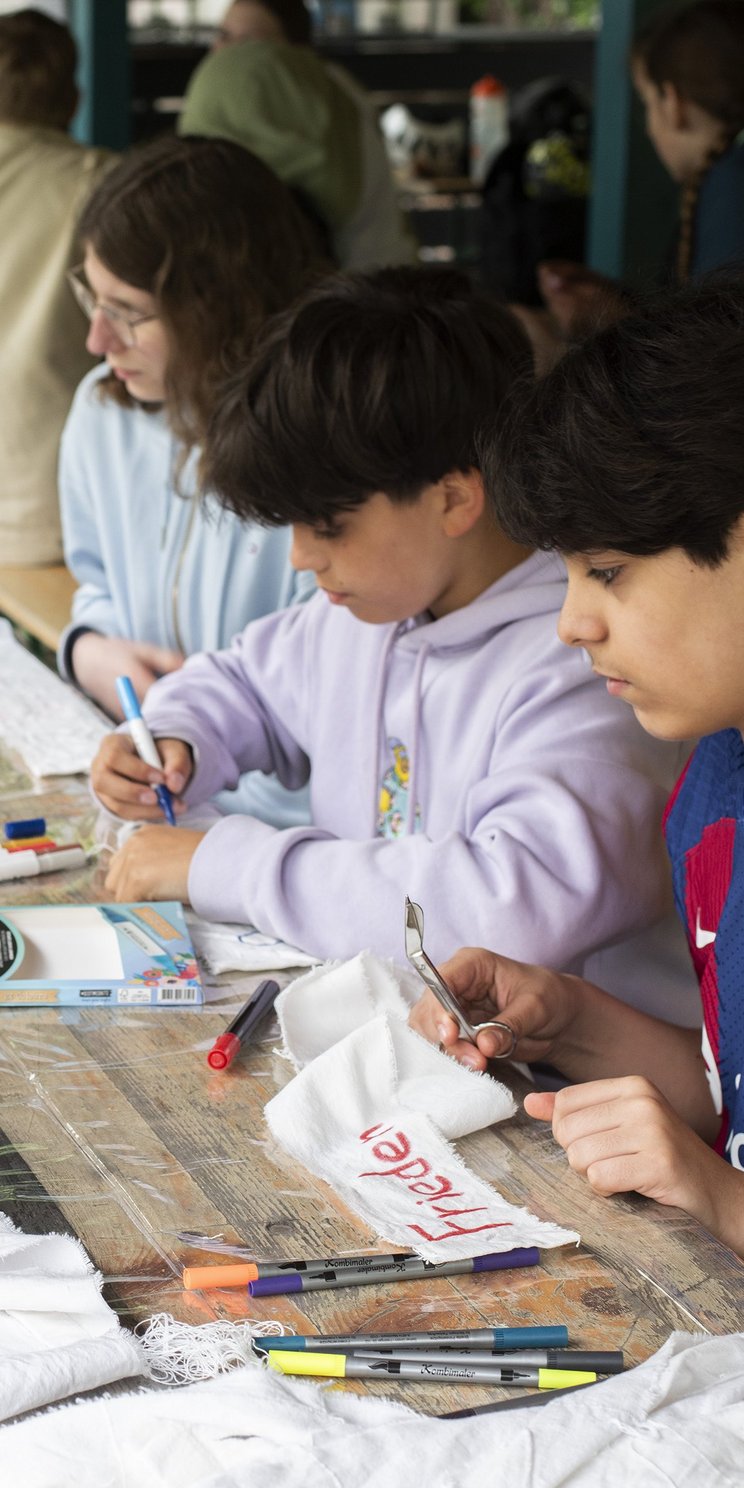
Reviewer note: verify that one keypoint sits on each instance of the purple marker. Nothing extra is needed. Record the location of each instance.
(413, 1270)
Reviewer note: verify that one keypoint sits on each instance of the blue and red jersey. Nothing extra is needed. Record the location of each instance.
(704, 826)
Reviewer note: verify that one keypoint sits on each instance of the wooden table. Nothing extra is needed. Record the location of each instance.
(114, 1128)
(38, 600)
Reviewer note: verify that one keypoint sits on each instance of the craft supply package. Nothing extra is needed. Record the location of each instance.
(97, 954)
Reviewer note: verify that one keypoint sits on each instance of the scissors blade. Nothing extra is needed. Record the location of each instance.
(418, 958)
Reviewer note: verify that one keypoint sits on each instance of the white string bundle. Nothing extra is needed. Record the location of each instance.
(181, 1353)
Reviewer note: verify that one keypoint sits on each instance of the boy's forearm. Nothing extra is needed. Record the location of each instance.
(606, 1038)
(718, 1201)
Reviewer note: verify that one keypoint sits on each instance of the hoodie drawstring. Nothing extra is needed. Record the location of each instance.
(415, 737)
(378, 715)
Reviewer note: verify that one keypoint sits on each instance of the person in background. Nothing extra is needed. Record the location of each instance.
(627, 459)
(188, 245)
(688, 70)
(44, 179)
(265, 88)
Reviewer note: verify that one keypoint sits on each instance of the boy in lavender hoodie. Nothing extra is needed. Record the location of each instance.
(456, 751)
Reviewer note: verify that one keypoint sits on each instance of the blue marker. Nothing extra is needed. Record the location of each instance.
(144, 743)
(555, 1336)
(35, 827)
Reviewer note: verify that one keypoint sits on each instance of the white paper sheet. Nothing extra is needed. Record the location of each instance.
(55, 730)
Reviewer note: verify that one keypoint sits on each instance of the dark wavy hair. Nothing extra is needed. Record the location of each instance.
(210, 231)
(635, 441)
(373, 382)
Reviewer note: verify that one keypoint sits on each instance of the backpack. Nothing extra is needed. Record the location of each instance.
(536, 191)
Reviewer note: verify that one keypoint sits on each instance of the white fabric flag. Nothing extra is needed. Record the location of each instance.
(57, 1335)
(677, 1419)
(374, 1115)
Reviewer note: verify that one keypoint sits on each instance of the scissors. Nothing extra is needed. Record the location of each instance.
(429, 974)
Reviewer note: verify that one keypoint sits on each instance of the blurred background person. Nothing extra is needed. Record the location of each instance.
(44, 179)
(264, 88)
(688, 71)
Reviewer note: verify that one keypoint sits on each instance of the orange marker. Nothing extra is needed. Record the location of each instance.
(196, 1277)
(39, 844)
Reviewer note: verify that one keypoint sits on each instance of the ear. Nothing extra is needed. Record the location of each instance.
(463, 500)
(674, 106)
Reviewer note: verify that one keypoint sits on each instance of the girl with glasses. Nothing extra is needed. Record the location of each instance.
(189, 245)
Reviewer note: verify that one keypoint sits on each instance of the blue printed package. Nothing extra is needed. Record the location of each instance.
(110, 955)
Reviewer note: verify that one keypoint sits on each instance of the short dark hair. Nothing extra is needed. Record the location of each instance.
(294, 18)
(372, 382)
(37, 70)
(635, 440)
(208, 229)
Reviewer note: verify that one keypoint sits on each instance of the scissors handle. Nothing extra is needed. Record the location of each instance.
(505, 1028)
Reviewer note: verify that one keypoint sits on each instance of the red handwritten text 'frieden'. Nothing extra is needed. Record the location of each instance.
(396, 1161)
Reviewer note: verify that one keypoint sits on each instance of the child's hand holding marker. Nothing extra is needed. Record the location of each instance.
(136, 778)
(144, 743)
(140, 780)
(125, 784)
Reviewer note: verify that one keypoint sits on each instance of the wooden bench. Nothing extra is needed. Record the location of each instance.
(38, 600)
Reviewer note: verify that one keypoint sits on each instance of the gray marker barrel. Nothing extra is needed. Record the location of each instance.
(552, 1336)
(271, 1286)
(598, 1363)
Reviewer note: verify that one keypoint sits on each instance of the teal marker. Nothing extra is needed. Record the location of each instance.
(491, 1339)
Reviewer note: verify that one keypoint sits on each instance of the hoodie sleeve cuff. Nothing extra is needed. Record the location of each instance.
(65, 649)
(225, 867)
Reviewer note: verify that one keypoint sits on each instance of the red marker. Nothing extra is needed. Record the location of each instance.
(239, 1031)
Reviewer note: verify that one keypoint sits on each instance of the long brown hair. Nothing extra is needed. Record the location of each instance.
(210, 231)
(699, 49)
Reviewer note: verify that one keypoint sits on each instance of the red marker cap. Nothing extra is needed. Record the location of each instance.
(223, 1051)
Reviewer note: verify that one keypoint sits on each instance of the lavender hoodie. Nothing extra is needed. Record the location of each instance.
(526, 800)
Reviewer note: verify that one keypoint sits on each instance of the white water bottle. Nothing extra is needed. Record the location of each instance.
(489, 125)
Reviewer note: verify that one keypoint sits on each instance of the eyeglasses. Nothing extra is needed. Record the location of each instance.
(124, 322)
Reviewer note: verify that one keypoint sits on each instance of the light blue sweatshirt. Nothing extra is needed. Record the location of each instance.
(472, 762)
(154, 565)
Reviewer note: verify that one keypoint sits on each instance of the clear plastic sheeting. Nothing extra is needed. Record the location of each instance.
(113, 1128)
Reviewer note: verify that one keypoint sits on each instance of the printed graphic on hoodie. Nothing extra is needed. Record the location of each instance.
(392, 815)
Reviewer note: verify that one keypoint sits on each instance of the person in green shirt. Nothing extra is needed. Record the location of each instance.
(265, 88)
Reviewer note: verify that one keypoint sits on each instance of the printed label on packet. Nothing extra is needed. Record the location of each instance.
(9, 993)
(157, 922)
(135, 995)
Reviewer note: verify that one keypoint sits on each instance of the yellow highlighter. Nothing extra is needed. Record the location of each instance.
(438, 1368)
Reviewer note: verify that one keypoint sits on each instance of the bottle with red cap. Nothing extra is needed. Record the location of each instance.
(489, 125)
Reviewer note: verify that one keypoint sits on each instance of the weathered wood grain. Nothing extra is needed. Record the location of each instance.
(117, 1129)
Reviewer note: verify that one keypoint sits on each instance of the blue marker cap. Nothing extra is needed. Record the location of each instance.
(35, 827)
(554, 1335)
(128, 698)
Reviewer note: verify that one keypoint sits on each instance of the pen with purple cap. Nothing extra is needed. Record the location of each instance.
(407, 1270)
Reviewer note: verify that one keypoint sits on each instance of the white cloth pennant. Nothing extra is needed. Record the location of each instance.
(57, 1335)
(677, 1419)
(375, 1112)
